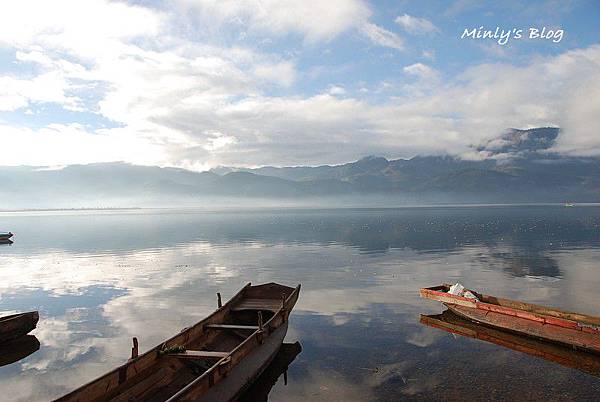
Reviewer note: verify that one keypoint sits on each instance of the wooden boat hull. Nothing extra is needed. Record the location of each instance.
(5, 236)
(528, 327)
(215, 359)
(452, 323)
(248, 370)
(17, 325)
(574, 329)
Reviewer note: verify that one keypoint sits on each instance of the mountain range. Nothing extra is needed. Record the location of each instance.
(517, 167)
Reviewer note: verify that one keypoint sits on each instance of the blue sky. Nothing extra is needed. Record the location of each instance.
(200, 83)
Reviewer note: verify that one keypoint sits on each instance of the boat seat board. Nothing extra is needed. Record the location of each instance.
(199, 354)
(158, 378)
(258, 304)
(232, 327)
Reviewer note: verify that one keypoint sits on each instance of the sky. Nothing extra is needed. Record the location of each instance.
(201, 83)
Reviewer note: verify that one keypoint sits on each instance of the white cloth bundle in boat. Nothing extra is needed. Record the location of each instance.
(459, 290)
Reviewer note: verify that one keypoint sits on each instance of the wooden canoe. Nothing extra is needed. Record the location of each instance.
(17, 325)
(574, 329)
(13, 351)
(580, 360)
(214, 360)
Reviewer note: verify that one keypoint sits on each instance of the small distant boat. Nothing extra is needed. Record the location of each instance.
(17, 325)
(566, 356)
(5, 235)
(574, 329)
(20, 348)
(569, 204)
(216, 359)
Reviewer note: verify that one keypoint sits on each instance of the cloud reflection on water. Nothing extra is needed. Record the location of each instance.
(113, 277)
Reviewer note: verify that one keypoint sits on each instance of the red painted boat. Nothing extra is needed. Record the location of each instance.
(579, 330)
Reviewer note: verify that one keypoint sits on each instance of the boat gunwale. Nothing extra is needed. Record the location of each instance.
(534, 312)
(191, 387)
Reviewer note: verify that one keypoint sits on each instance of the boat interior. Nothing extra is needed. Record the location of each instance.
(166, 369)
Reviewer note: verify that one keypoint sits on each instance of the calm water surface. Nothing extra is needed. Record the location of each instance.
(100, 278)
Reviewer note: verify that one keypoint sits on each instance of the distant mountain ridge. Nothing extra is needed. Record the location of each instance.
(519, 168)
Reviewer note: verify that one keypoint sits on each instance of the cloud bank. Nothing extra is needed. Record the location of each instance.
(169, 86)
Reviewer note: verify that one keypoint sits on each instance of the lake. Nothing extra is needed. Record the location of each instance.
(100, 278)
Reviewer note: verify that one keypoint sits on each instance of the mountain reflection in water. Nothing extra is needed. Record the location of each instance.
(100, 278)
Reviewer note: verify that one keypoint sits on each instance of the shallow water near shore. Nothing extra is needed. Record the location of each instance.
(99, 278)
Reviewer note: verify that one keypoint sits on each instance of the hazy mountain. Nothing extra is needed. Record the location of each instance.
(519, 168)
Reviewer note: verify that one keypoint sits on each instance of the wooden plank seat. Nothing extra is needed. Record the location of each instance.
(160, 377)
(258, 304)
(232, 327)
(199, 354)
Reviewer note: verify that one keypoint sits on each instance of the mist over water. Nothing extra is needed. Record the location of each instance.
(101, 277)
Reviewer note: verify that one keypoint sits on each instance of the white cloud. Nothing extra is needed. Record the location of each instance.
(428, 54)
(60, 144)
(415, 25)
(168, 95)
(315, 20)
(382, 36)
(421, 70)
(85, 28)
(219, 141)
(165, 123)
(423, 81)
(337, 90)
(283, 73)
(50, 87)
